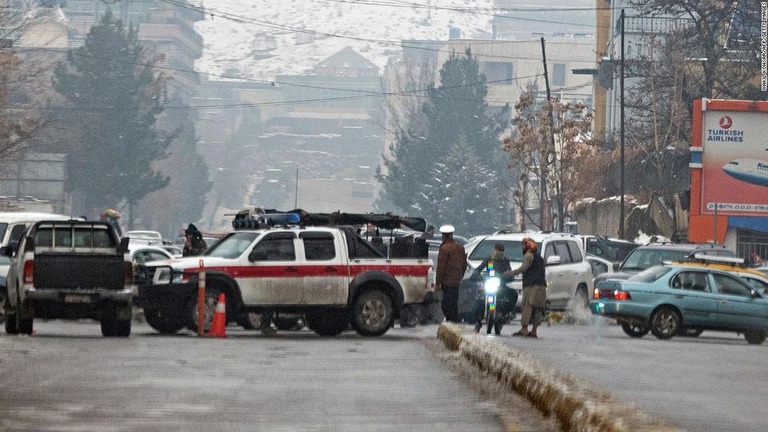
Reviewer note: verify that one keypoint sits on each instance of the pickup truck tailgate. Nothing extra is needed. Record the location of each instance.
(83, 271)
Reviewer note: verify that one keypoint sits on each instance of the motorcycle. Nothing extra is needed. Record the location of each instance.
(496, 310)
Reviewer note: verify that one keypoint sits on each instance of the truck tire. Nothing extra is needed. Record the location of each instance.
(25, 316)
(288, 322)
(372, 313)
(3, 301)
(109, 322)
(249, 320)
(124, 315)
(10, 319)
(163, 323)
(211, 298)
(329, 322)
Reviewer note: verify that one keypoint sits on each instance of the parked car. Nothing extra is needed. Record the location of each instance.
(611, 249)
(13, 224)
(653, 254)
(669, 299)
(148, 253)
(599, 265)
(756, 279)
(146, 235)
(569, 274)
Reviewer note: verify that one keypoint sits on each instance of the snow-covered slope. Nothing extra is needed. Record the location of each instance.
(374, 28)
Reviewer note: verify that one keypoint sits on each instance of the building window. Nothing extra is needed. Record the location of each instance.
(558, 74)
(497, 72)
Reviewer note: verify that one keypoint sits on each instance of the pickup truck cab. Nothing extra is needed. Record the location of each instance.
(330, 274)
(70, 269)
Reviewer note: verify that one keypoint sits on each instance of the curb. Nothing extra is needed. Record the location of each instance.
(577, 404)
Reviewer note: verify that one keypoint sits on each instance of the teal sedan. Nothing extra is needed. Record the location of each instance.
(674, 299)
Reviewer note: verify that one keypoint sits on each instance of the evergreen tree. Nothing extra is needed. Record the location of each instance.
(455, 115)
(463, 191)
(111, 86)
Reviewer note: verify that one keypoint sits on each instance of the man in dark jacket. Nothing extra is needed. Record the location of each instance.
(451, 265)
(534, 288)
(194, 244)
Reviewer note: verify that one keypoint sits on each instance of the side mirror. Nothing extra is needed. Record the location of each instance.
(7, 250)
(615, 266)
(553, 260)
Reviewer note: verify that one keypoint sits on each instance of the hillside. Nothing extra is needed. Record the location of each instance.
(237, 33)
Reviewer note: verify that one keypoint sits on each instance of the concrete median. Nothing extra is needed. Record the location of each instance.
(577, 404)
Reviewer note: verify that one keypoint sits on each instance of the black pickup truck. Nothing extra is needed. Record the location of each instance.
(71, 270)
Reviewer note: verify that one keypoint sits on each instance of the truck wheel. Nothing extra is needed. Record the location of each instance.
(123, 328)
(109, 322)
(124, 314)
(329, 322)
(10, 319)
(288, 322)
(249, 320)
(372, 313)
(163, 323)
(25, 318)
(3, 301)
(211, 298)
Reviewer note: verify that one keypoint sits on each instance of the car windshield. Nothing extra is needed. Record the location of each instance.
(641, 259)
(233, 245)
(512, 250)
(650, 275)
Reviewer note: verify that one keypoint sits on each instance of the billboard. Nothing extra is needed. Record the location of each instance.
(734, 163)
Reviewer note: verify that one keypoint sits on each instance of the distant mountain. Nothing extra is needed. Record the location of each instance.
(257, 40)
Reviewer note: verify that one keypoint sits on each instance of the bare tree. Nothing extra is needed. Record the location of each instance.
(572, 171)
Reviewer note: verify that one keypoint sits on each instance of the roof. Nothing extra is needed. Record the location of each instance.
(347, 58)
(683, 246)
(536, 236)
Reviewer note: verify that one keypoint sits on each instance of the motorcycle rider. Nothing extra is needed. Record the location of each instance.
(500, 265)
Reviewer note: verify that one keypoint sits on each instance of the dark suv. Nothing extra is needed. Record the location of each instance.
(654, 254)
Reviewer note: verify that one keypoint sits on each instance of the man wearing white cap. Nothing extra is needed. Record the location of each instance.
(451, 265)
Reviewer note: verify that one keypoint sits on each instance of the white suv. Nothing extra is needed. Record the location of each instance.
(569, 274)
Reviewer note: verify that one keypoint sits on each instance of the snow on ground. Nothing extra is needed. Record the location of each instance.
(373, 29)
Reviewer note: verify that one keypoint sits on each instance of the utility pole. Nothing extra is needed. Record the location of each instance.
(621, 122)
(546, 209)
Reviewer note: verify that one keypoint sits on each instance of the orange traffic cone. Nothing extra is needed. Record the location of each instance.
(219, 324)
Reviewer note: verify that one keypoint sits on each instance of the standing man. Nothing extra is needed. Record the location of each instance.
(451, 265)
(534, 288)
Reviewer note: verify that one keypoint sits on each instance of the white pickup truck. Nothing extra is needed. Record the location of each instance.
(330, 274)
(70, 269)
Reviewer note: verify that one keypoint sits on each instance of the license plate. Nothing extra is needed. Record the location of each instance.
(77, 298)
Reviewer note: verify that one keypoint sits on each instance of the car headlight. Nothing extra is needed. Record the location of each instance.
(162, 276)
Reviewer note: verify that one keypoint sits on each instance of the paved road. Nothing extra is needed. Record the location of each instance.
(68, 377)
(716, 382)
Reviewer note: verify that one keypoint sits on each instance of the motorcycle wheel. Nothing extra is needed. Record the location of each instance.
(491, 318)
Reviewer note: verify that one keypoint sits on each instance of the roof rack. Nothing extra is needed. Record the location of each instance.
(263, 218)
(714, 259)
